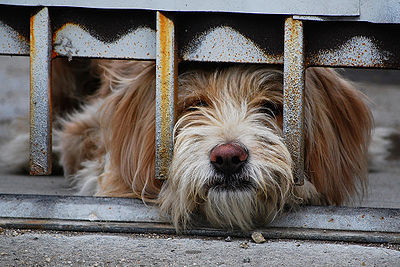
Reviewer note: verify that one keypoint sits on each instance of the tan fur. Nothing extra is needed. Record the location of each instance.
(338, 129)
(113, 122)
(113, 139)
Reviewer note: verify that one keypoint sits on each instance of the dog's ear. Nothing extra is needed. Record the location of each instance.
(338, 125)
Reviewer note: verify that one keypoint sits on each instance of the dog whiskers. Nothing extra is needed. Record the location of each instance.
(229, 182)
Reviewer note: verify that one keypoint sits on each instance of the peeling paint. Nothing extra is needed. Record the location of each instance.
(225, 44)
(72, 40)
(359, 51)
(11, 42)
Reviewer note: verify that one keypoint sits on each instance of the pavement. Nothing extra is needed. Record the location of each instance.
(47, 248)
(38, 248)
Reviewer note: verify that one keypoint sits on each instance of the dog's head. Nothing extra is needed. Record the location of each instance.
(230, 162)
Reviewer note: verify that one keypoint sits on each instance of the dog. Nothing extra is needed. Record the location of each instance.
(230, 164)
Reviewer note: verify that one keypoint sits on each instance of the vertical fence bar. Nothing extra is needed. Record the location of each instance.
(166, 83)
(40, 103)
(293, 88)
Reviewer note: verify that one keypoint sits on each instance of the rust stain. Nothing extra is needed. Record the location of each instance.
(35, 225)
(293, 94)
(64, 26)
(36, 169)
(22, 39)
(32, 52)
(167, 84)
(32, 38)
(36, 72)
(54, 54)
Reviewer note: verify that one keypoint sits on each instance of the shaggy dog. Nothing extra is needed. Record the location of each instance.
(230, 163)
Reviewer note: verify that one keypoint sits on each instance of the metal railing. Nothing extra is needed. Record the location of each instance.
(297, 35)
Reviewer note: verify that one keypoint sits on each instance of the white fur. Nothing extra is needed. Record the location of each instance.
(14, 154)
(86, 180)
(268, 167)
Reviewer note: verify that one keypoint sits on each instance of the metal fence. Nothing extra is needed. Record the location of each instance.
(295, 34)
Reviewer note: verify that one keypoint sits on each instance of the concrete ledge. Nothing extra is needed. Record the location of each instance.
(123, 215)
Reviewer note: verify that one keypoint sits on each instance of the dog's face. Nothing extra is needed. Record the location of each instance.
(230, 162)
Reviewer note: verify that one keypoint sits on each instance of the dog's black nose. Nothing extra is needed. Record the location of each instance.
(228, 158)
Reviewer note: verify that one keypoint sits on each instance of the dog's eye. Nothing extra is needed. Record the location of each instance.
(195, 105)
(270, 108)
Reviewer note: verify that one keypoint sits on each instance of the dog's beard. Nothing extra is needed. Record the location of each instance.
(255, 194)
(232, 207)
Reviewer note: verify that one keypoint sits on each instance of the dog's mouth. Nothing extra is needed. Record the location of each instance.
(231, 183)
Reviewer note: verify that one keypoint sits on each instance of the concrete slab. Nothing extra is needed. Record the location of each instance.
(36, 248)
(39, 185)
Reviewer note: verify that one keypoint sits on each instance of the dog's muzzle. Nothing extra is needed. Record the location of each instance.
(228, 161)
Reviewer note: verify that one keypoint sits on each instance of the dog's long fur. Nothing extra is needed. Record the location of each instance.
(108, 147)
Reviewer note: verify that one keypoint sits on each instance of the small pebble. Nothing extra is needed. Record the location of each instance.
(246, 260)
(258, 237)
(297, 244)
(244, 245)
(228, 239)
(47, 259)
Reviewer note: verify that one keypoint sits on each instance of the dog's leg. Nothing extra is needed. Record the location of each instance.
(80, 139)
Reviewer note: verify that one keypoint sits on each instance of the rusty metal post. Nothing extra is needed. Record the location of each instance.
(166, 83)
(40, 103)
(293, 88)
